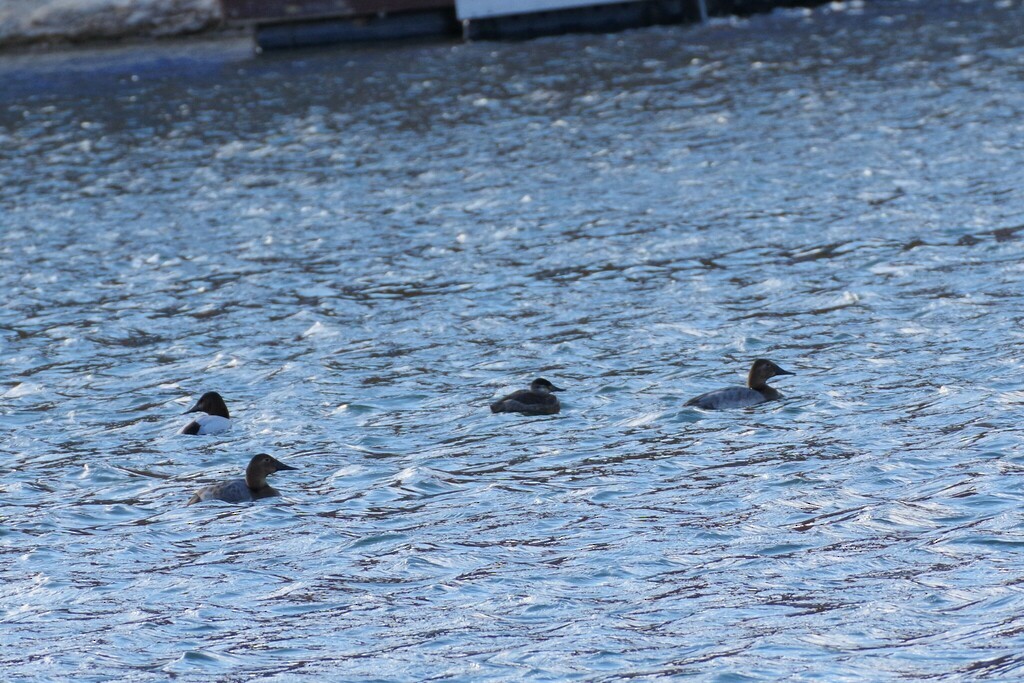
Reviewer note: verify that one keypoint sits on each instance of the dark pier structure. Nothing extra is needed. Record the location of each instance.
(297, 23)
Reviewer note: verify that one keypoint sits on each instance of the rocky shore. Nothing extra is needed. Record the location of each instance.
(24, 22)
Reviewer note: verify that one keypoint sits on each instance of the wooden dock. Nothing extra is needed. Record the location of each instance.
(296, 23)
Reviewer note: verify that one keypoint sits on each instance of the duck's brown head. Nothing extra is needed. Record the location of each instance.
(763, 370)
(260, 467)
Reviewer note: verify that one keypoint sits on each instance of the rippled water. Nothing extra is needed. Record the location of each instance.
(360, 248)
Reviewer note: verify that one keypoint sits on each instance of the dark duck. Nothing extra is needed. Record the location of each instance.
(537, 400)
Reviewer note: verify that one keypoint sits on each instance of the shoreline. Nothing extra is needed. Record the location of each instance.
(40, 48)
(34, 27)
(49, 25)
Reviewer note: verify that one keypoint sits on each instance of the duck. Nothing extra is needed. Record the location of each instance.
(537, 400)
(756, 391)
(216, 419)
(253, 487)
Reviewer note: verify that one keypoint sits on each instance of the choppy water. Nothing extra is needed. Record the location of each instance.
(361, 248)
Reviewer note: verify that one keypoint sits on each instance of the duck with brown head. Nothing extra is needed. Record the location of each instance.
(253, 487)
(756, 391)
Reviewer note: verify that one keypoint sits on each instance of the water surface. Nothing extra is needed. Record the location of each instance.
(360, 248)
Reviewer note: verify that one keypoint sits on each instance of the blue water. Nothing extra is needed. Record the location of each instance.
(361, 248)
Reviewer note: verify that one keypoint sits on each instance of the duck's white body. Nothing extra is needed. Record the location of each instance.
(207, 424)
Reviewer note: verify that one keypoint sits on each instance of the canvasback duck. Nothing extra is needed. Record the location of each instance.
(216, 419)
(537, 400)
(253, 487)
(756, 391)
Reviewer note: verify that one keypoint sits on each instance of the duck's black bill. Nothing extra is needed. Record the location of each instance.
(780, 371)
(281, 466)
(193, 409)
(554, 388)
